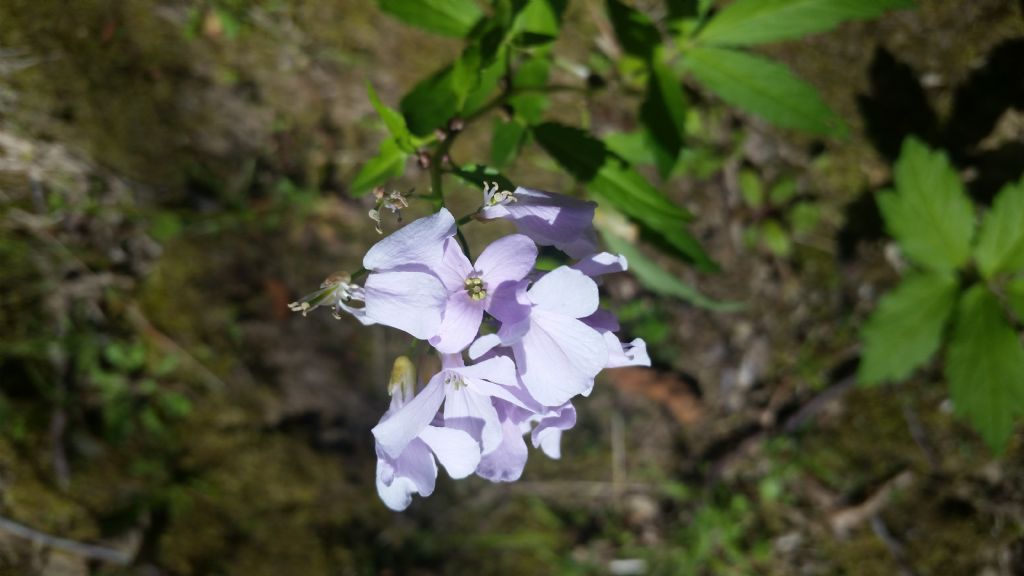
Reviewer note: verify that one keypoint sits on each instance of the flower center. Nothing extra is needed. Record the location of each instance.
(475, 288)
(494, 195)
(454, 380)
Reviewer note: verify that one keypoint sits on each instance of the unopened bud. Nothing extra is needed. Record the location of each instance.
(403, 377)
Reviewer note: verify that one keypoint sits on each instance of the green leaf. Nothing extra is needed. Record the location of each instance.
(466, 74)
(663, 114)
(804, 217)
(530, 106)
(431, 103)
(388, 164)
(506, 139)
(776, 239)
(906, 329)
(612, 181)
(751, 188)
(1001, 238)
(1015, 297)
(782, 192)
(928, 214)
(540, 21)
(446, 17)
(394, 121)
(983, 365)
(479, 175)
(763, 87)
(747, 22)
(656, 279)
(635, 147)
(636, 33)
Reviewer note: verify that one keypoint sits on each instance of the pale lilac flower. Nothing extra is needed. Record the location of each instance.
(402, 290)
(506, 461)
(474, 288)
(412, 469)
(466, 393)
(556, 354)
(549, 219)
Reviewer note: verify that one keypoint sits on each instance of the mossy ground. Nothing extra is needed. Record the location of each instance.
(184, 167)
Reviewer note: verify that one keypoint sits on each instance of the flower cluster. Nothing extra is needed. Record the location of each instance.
(516, 344)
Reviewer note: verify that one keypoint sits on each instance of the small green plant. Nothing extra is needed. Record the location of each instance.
(964, 287)
(779, 215)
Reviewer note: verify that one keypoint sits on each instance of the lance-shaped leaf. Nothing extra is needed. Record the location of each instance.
(762, 87)
(446, 17)
(1001, 239)
(611, 180)
(388, 164)
(431, 103)
(506, 138)
(539, 21)
(906, 329)
(663, 114)
(747, 22)
(394, 121)
(929, 214)
(636, 33)
(658, 280)
(1015, 297)
(983, 366)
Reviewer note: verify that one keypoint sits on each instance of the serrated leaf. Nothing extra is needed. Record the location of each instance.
(906, 329)
(659, 281)
(506, 138)
(663, 114)
(388, 164)
(1001, 238)
(431, 103)
(928, 214)
(446, 17)
(747, 22)
(763, 87)
(609, 179)
(984, 367)
(636, 33)
(394, 121)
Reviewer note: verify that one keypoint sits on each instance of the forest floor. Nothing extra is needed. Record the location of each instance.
(172, 176)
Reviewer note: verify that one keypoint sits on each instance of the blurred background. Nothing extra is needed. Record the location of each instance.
(174, 172)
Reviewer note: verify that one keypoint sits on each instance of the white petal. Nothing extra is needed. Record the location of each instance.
(456, 450)
(499, 369)
(474, 413)
(410, 301)
(506, 463)
(565, 291)
(601, 264)
(396, 432)
(559, 357)
(419, 242)
(508, 259)
(459, 324)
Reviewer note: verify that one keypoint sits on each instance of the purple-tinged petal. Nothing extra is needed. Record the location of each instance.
(414, 471)
(455, 449)
(509, 334)
(601, 264)
(473, 413)
(508, 259)
(551, 220)
(565, 291)
(410, 301)
(548, 433)
(626, 354)
(459, 325)
(508, 302)
(394, 433)
(506, 462)
(454, 267)
(602, 321)
(419, 242)
(559, 357)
